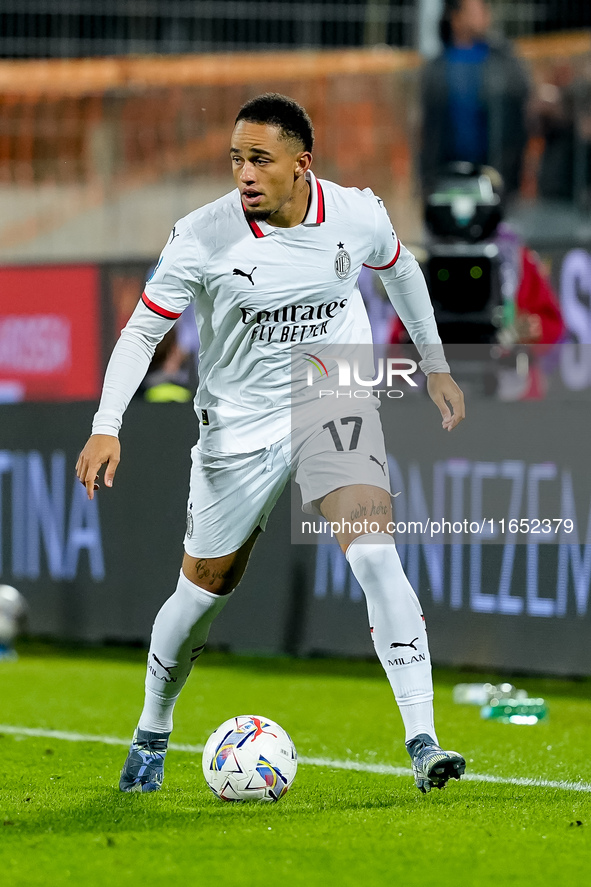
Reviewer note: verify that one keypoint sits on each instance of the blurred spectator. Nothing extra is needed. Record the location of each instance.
(172, 375)
(562, 112)
(167, 378)
(537, 319)
(188, 340)
(474, 97)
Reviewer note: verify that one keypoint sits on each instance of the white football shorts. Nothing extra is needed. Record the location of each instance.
(230, 495)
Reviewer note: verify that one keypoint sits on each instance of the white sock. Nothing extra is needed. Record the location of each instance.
(178, 638)
(397, 627)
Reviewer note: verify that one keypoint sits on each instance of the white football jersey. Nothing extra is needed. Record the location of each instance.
(257, 291)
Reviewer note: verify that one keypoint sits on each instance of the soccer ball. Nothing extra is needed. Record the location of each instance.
(249, 758)
(13, 610)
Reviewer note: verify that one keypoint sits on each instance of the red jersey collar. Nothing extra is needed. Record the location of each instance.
(316, 211)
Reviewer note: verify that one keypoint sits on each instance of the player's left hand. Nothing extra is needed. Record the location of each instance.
(444, 392)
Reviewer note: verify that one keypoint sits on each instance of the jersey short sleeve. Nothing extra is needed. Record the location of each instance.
(178, 276)
(386, 246)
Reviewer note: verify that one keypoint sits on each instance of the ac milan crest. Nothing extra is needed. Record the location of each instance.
(342, 262)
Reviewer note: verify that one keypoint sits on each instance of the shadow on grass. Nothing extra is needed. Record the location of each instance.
(108, 811)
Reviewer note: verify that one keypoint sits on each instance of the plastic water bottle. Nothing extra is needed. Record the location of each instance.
(481, 694)
(473, 694)
(515, 711)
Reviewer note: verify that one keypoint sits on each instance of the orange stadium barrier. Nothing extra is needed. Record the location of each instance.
(104, 125)
(172, 113)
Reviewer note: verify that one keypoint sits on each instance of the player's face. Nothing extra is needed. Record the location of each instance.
(268, 169)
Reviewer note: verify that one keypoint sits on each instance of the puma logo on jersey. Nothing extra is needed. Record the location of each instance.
(244, 274)
(381, 464)
(174, 234)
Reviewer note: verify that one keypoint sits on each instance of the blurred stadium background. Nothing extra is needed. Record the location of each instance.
(114, 122)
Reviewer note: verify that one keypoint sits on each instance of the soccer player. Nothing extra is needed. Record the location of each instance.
(268, 266)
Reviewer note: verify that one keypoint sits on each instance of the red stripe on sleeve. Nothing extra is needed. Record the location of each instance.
(320, 212)
(389, 265)
(171, 315)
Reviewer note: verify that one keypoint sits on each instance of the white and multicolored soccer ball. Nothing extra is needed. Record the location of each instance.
(13, 610)
(249, 758)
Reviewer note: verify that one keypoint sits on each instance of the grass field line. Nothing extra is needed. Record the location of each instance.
(360, 766)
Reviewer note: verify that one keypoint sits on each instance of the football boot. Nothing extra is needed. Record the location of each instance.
(431, 765)
(143, 770)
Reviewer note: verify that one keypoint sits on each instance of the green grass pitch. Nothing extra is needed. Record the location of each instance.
(63, 821)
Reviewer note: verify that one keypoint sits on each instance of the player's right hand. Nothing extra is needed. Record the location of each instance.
(99, 448)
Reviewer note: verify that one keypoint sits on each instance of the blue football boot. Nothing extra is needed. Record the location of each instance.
(431, 765)
(143, 770)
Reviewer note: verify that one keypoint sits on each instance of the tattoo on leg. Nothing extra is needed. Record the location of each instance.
(359, 511)
(378, 509)
(211, 575)
(374, 510)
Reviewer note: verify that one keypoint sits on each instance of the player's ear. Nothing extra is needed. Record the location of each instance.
(303, 162)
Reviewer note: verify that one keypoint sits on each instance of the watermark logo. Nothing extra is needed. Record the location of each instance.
(349, 373)
(315, 363)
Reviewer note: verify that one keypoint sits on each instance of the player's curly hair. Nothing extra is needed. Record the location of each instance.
(279, 110)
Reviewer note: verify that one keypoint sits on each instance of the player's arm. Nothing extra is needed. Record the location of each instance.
(407, 290)
(172, 287)
(127, 367)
